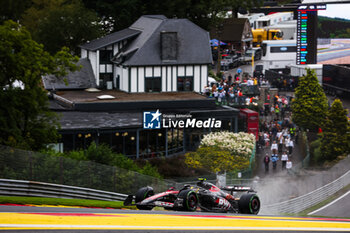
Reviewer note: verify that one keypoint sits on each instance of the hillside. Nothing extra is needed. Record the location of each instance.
(333, 27)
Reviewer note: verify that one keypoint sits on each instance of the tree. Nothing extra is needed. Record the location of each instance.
(309, 107)
(204, 13)
(335, 137)
(13, 9)
(58, 23)
(25, 120)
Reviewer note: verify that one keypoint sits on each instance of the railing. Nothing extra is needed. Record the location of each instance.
(308, 200)
(40, 189)
(27, 165)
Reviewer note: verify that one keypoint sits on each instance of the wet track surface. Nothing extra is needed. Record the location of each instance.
(341, 49)
(49, 219)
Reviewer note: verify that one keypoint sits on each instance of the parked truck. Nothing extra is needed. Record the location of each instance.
(336, 79)
(261, 34)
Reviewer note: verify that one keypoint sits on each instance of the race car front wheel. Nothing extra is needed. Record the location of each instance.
(190, 200)
(141, 195)
(249, 204)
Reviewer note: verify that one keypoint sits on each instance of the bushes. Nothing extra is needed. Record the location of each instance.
(315, 152)
(174, 167)
(222, 151)
(335, 137)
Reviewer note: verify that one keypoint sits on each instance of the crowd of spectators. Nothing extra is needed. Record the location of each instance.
(235, 90)
(278, 134)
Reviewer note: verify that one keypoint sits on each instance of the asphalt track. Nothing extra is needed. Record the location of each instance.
(50, 219)
(338, 208)
(333, 53)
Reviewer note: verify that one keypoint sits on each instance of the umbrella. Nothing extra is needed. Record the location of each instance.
(215, 42)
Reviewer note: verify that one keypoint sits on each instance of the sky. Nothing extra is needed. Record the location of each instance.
(336, 10)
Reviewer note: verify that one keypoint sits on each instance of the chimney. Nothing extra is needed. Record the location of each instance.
(168, 43)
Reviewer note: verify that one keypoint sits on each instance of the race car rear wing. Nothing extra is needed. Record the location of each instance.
(238, 188)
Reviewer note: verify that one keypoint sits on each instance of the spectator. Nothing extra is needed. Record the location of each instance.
(266, 139)
(279, 138)
(274, 147)
(284, 159)
(290, 146)
(274, 159)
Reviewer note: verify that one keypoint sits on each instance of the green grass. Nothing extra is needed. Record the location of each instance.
(325, 202)
(64, 202)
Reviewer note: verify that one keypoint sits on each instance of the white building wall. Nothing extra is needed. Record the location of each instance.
(174, 78)
(115, 49)
(133, 81)
(95, 65)
(204, 77)
(157, 71)
(170, 78)
(119, 71)
(197, 78)
(141, 79)
(189, 70)
(83, 53)
(181, 71)
(164, 79)
(149, 72)
(125, 78)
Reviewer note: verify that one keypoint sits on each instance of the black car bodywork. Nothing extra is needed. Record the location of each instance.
(203, 196)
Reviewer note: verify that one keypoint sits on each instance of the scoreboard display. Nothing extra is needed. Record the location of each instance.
(306, 34)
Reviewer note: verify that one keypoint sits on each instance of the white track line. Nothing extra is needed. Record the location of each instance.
(331, 203)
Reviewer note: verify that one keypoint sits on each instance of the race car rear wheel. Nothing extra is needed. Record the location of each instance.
(141, 195)
(190, 200)
(249, 204)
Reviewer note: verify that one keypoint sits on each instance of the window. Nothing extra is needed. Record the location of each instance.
(184, 83)
(153, 84)
(105, 56)
(283, 49)
(104, 78)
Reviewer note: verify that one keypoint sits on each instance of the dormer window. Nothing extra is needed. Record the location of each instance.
(106, 56)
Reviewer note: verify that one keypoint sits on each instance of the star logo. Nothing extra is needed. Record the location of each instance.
(151, 120)
(156, 115)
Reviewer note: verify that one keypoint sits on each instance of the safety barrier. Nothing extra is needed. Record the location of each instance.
(306, 201)
(40, 189)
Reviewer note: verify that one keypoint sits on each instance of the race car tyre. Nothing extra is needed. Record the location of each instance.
(249, 204)
(190, 200)
(142, 194)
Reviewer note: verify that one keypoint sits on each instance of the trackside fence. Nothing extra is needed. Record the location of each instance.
(308, 200)
(40, 189)
(18, 164)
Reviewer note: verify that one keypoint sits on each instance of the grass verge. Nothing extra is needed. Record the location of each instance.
(63, 202)
(325, 202)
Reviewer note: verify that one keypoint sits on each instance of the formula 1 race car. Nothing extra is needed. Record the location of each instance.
(204, 196)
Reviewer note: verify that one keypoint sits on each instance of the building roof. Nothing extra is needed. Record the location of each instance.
(74, 120)
(193, 46)
(232, 30)
(110, 39)
(81, 79)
